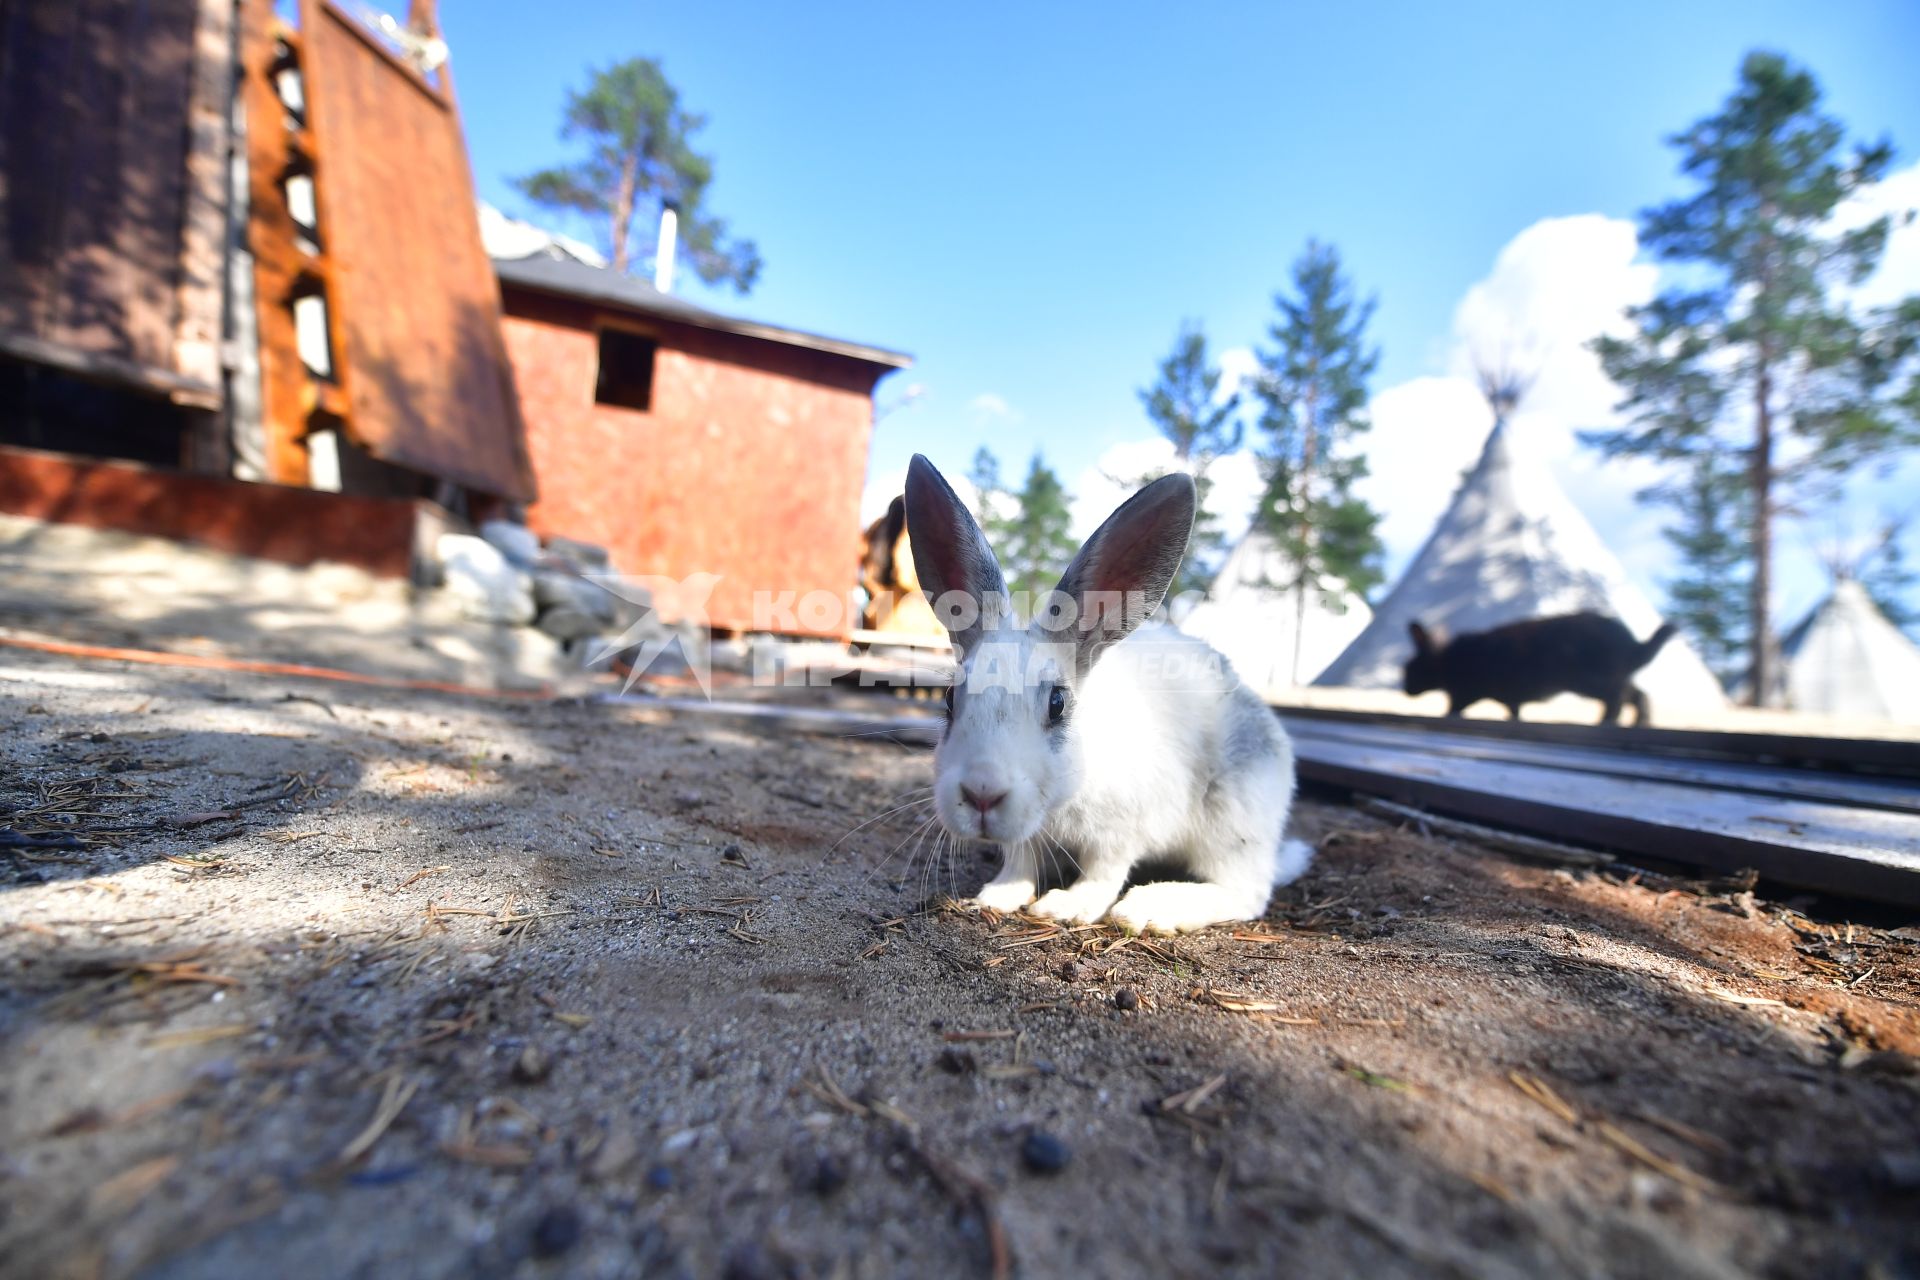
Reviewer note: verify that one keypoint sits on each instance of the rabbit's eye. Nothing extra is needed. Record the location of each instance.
(949, 701)
(1056, 705)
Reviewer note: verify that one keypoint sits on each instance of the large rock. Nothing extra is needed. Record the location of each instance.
(487, 586)
(581, 557)
(519, 544)
(553, 589)
(566, 623)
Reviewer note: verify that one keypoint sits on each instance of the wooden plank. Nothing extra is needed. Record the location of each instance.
(1833, 848)
(1869, 755)
(111, 368)
(1718, 775)
(197, 329)
(918, 731)
(428, 383)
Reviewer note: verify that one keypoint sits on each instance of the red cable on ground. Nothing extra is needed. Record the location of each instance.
(158, 658)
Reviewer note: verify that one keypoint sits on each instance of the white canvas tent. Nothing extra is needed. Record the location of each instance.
(1512, 546)
(1262, 628)
(1846, 659)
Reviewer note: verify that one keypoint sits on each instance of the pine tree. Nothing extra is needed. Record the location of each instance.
(641, 157)
(1038, 540)
(1030, 530)
(1754, 360)
(1313, 394)
(1883, 572)
(1184, 405)
(1705, 600)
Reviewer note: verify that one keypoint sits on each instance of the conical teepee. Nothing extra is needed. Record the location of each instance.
(1846, 659)
(1275, 638)
(1513, 546)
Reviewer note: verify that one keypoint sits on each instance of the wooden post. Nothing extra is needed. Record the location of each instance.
(198, 323)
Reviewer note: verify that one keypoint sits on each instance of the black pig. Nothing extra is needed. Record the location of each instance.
(1589, 654)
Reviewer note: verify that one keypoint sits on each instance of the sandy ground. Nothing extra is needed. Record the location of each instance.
(377, 983)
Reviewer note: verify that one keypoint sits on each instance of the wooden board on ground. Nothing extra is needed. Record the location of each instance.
(1826, 845)
(1778, 822)
(1726, 776)
(1893, 756)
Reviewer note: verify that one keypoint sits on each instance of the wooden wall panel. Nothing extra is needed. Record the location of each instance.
(94, 134)
(750, 463)
(292, 526)
(414, 299)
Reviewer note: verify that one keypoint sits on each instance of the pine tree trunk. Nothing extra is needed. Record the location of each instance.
(623, 214)
(1309, 452)
(1760, 664)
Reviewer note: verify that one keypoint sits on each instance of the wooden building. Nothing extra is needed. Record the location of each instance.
(238, 256)
(685, 441)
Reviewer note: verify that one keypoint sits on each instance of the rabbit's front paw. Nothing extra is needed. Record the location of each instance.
(1178, 907)
(1082, 903)
(1008, 895)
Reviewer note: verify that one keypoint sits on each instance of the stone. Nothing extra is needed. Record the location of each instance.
(519, 544)
(556, 590)
(570, 624)
(581, 557)
(1043, 1153)
(479, 577)
(557, 1231)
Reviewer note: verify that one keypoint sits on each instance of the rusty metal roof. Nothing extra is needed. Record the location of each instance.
(568, 278)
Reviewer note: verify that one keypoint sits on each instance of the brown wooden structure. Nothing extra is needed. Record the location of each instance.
(113, 133)
(416, 373)
(685, 441)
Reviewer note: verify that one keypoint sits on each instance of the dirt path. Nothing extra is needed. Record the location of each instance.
(384, 984)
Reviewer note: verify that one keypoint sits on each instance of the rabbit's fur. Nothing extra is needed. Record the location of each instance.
(1096, 748)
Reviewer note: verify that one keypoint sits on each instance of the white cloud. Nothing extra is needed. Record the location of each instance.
(1553, 288)
(1898, 195)
(1238, 367)
(1113, 478)
(990, 405)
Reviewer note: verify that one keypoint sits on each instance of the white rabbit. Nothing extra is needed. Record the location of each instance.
(1088, 737)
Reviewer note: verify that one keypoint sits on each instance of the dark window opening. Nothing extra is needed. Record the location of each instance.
(626, 370)
(46, 408)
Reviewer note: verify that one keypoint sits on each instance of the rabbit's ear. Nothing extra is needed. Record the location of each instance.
(951, 556)
(1422, 639)
(1122, 574)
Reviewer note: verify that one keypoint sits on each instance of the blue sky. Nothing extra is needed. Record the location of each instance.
(1030, 198)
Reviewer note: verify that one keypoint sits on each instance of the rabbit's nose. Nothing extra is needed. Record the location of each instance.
(981, 799)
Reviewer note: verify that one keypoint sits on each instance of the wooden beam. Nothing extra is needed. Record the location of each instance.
(190, 392)
(203, 235)
(1868, 755)
(273, 237)
(1831, 847)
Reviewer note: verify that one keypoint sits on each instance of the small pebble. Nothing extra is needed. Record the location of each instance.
(1126, 999)
(749, 1262)
(532, 1066)
(957, 1062)
(1044, 1153)
(660, 1178)
(829, 1175)
(557, 1231)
